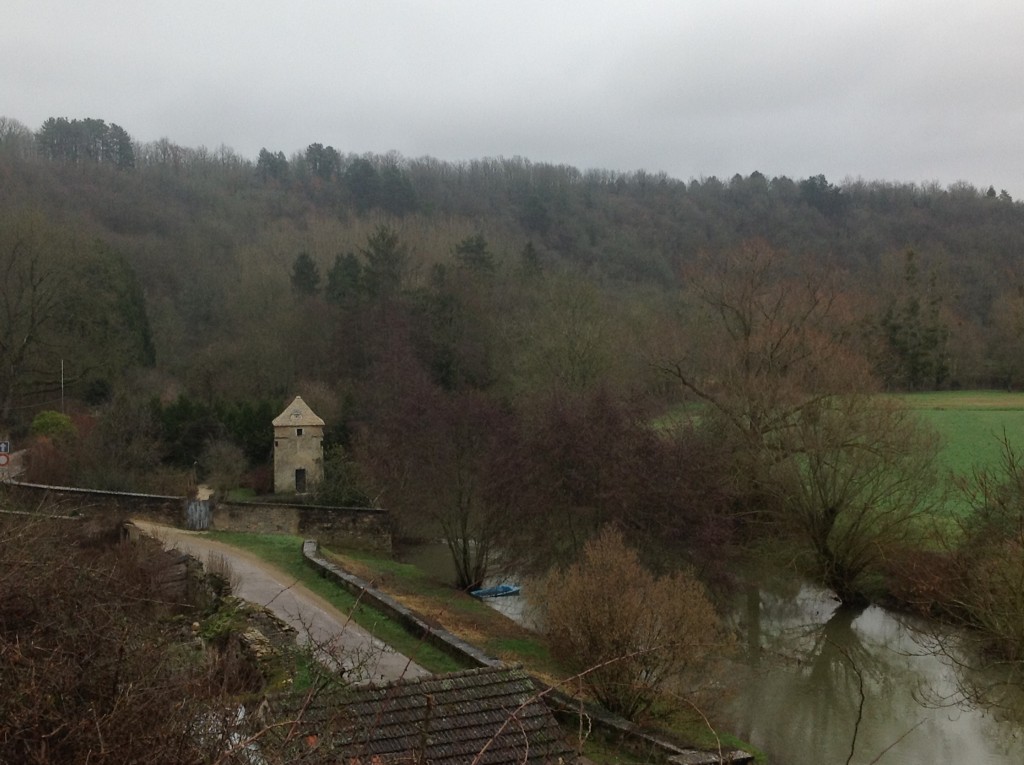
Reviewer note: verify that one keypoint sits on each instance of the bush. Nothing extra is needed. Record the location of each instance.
(94, 655)
(53, 425)
(988, 590)
(626, 631)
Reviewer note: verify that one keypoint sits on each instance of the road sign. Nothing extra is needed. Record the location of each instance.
(4, 459)
(5, 447)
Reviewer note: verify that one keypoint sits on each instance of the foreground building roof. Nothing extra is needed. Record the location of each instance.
(490, 716)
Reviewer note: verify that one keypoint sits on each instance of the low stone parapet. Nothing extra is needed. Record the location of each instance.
(410, 621)
(69, 500)
(361, 528)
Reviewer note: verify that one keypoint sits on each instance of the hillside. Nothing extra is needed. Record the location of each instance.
(203, 243)
(171, 298)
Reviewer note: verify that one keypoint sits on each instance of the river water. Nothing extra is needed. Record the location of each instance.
(818, 682)
(811, 682)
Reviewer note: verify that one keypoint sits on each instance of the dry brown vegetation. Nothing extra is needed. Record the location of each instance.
(98, 659)
(627, 632)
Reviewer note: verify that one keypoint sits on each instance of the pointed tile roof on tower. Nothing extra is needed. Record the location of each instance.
(297, 414)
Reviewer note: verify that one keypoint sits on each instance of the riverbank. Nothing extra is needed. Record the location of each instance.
(476, 623)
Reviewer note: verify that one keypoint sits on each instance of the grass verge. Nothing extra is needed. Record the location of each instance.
(454, 610)
(285, 553)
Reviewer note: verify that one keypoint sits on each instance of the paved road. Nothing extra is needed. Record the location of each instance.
(339, 641)
(14, 467)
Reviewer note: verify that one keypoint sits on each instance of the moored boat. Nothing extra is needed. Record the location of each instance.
(498, 591)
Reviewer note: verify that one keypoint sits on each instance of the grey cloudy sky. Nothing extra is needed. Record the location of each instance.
(908, 90)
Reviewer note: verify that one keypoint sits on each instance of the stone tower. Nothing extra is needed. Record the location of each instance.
(298, 449)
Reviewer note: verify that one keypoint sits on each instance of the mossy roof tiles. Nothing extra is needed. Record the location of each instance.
(491, 716)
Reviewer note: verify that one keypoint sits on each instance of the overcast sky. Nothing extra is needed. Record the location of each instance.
(907, 90)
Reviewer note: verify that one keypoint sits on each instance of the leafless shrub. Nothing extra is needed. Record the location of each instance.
(96, 664)
(626, 631)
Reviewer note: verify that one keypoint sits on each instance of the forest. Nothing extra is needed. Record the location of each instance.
(517, 354)
(615, 384)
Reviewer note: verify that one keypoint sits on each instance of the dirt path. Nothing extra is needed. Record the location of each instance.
(338, 640)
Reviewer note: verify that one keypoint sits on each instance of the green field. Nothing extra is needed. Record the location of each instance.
(972, 425)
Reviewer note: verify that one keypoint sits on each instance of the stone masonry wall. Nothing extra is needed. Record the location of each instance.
(67, 500)
(360, 528)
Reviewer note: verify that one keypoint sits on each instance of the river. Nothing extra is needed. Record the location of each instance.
(817, 682)
(810, 681)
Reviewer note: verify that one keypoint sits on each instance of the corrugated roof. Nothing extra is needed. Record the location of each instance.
(297, 414)
(492, 716)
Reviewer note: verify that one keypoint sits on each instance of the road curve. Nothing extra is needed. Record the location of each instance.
(337, 640)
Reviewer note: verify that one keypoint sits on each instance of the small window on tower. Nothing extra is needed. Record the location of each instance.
(298, 431)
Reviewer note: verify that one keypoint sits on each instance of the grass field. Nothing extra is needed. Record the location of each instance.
(972, 425)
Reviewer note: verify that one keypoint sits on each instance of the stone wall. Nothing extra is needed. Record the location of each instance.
(71, 501)
(360, 528)
(409, 620)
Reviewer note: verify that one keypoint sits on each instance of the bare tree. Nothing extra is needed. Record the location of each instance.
(815, 454)
(440, 462)
(773, 342)
(859, 481)
(16, 138)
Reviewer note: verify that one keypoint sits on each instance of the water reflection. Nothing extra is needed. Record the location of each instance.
(820, 682)
(817, 682)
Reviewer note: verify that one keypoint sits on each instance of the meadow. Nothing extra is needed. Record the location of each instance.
(972, 425)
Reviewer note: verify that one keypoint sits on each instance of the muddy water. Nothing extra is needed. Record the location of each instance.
(819, 683)
(812, 683)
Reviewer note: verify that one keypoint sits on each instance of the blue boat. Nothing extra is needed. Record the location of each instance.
(498, 591)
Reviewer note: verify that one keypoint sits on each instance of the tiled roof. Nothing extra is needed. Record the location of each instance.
(297, 414)
(490, 716)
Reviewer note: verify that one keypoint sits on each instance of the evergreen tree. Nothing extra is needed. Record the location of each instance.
(305, 276)
(386, 259)
(272, 165)
(344, 279)
(915, 333)
(472, 252)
